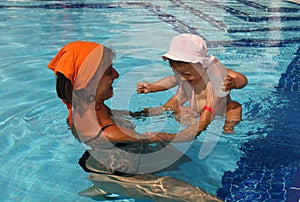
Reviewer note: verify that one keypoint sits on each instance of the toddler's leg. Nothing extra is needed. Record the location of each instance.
(233, 116)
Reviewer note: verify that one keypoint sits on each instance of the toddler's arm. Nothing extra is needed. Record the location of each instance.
(234, 80)
(160, 85)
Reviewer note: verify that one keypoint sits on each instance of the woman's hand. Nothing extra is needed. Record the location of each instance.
(186, 117)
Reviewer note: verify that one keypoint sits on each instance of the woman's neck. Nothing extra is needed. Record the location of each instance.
(103, 114)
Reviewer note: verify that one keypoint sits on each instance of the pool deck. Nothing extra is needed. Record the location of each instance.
(294, 190)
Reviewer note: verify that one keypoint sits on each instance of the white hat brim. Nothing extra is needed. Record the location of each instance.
(181, 57)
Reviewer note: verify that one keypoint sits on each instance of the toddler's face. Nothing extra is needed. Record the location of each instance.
(189, 72)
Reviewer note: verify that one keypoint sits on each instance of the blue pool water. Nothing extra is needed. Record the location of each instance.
(258, 38)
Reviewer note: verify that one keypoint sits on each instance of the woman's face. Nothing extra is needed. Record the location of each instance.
(105, 90)
(188, 72)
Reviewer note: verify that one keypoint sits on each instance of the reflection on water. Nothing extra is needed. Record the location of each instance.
(151, 187)
(143, 186)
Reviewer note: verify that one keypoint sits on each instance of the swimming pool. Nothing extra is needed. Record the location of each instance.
(258, 38)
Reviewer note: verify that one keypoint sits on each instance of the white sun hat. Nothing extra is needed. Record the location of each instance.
(189, 48)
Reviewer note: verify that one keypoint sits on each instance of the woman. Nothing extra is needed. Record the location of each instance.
(117, 156)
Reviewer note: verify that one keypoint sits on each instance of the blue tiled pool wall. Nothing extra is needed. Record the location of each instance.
(294, 190)
(267, 167)
(290, 80)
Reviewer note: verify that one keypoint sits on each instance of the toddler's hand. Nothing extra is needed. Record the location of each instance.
(142, 88)
(228, 83)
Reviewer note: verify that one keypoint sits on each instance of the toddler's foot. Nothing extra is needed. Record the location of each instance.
(228, 127)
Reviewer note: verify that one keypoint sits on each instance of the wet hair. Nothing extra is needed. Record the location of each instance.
(63, 88)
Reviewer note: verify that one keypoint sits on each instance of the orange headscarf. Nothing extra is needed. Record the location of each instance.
(70, 60)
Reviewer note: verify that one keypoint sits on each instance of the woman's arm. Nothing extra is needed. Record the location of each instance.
(186, 135)
(114, 134)
(117, 134)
